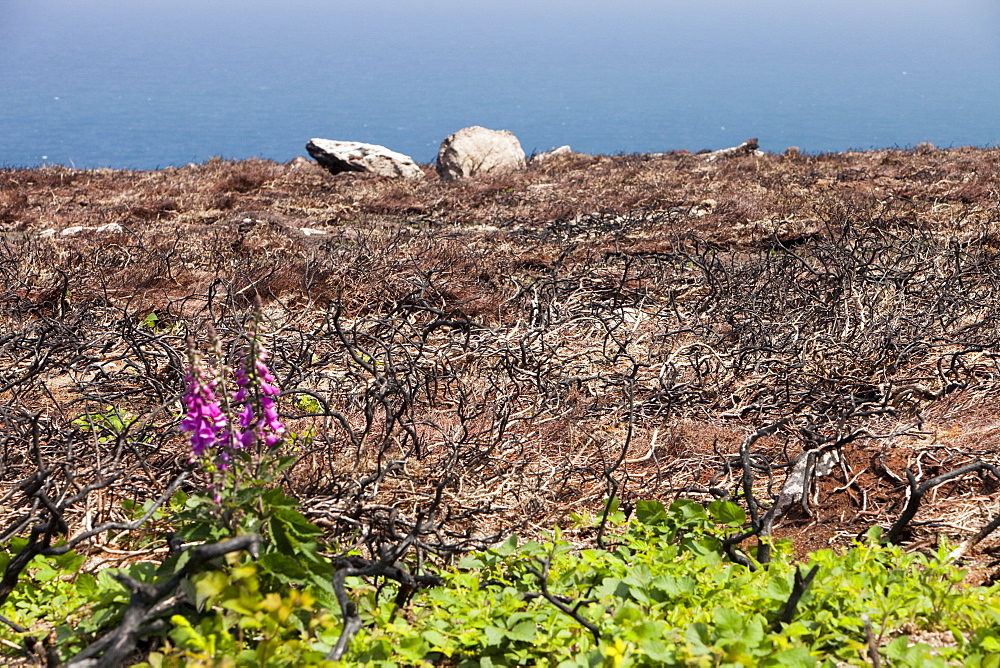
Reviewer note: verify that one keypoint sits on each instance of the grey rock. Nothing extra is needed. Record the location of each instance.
(749, 147)
(354, 156)
(476, 150)
(548, 155)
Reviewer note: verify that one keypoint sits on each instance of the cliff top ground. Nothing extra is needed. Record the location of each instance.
(528, 344)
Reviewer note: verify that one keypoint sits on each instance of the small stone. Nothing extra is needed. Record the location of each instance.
(705, 207)
(554, 153)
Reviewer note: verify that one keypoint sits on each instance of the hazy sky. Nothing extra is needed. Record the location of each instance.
(137, 82)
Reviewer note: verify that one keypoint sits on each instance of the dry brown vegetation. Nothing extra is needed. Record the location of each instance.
(527, 344)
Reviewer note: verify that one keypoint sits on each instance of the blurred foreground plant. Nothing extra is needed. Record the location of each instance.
(237, 437)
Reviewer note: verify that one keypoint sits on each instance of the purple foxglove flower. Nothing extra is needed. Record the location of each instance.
(242, 378)
(270, 424)
(257, 387)
(204, 419)
(268, 384)
(246, 416)
(216, 497)
(247, 439)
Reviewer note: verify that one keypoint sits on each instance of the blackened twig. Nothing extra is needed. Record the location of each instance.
(960, 551)
(872, 642)
(895, 533)
(799, 587)
(543, 581)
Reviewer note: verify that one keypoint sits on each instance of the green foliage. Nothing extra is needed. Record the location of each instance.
(55, 597)
(243, 626)
(667, 596)
(150, 320)
(276, 611)
(308, 403)
(663, 595)
(292, 553)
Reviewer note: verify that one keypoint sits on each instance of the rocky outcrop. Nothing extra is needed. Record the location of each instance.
(354, 156)
(477, 150)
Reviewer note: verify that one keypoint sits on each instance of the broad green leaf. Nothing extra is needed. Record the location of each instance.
(612, 587)
(629, 612)
(282, 566)
(508, 547)
(435, 639)
(728, 622)
(689, 511)
(790, 657)
(522, 631)
(727, 513)
(209, 585)
(494, 635)
(412, 647)
(470, 561)
(779, 587)
(658, 651)
(650, 513)
(648, 632)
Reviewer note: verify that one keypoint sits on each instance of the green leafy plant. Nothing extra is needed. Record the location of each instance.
(242, 454)
(107, 425)
(664, 594)
(667, 595)
(58, 599)
(243, 626)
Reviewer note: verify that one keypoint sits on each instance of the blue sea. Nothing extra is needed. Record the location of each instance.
(144, 84)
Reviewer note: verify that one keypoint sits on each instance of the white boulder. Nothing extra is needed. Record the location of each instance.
(477, 150)
(355, 156)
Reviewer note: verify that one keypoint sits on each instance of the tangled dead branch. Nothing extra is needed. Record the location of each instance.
(453, 374)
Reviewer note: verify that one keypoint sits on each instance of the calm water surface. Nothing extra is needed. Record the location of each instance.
(135, 83)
